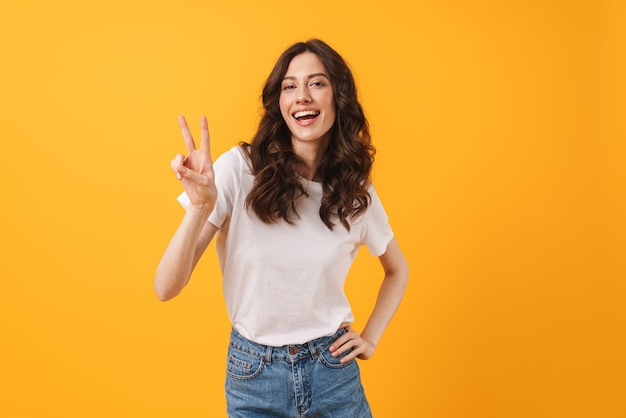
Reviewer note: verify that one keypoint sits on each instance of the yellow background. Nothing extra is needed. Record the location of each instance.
(500, 161)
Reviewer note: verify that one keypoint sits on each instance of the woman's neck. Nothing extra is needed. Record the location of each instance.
(311, 154)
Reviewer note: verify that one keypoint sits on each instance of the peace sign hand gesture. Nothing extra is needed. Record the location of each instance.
(196, 169)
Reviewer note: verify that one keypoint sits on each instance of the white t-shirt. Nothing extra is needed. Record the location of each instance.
(284, 284)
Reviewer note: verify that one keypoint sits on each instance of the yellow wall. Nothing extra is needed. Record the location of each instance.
(500, 161)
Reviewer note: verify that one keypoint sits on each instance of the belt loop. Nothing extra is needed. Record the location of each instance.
(312, 348)
(268, 355)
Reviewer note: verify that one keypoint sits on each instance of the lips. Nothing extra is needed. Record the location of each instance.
(305, 115)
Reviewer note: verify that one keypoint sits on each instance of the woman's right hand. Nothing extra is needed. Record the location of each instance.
(195, 170)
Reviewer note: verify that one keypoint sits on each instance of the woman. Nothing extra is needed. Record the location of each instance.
(290, 211)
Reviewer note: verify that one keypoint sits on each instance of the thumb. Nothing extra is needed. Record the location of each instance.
(188, 174)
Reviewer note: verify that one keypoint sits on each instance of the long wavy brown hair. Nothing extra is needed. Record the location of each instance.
(344, 169)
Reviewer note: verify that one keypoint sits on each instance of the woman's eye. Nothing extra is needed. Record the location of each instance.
(318, 83)
(288, 87)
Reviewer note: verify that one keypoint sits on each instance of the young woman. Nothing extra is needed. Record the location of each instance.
(289, 212)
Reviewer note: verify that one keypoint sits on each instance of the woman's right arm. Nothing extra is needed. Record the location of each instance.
(183, 252)
(194, 233)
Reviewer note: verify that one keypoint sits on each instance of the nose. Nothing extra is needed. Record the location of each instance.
(303, 95)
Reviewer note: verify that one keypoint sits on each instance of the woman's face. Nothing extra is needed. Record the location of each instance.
(306, 100)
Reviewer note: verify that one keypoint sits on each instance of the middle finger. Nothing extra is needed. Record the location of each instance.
(191, 146)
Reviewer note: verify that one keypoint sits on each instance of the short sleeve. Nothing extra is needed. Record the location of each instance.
(378, 232)
(228, 171)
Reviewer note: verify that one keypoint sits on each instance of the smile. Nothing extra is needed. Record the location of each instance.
(305, 115)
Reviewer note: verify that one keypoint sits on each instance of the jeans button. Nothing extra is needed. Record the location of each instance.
(293, 350)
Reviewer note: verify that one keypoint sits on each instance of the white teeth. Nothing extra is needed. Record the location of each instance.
(303, 113)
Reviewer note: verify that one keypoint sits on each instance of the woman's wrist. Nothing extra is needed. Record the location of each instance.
(201, 209)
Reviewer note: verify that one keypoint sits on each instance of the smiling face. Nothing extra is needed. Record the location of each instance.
(306, 101)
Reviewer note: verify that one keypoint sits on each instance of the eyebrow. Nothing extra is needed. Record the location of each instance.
(310, 76)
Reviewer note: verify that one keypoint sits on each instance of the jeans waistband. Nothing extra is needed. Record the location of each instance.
(291, 353)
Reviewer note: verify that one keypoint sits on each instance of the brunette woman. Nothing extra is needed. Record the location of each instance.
(289, 212)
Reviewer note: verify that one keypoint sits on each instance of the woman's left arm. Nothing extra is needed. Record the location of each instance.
(390, 294)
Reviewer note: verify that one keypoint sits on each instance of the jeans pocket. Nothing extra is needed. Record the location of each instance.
(243, 366)
(329, 361)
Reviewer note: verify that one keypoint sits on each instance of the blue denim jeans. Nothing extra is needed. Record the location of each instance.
(292, 381)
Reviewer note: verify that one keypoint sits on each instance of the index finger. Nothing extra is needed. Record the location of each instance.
(205, 138)
(191, 146)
